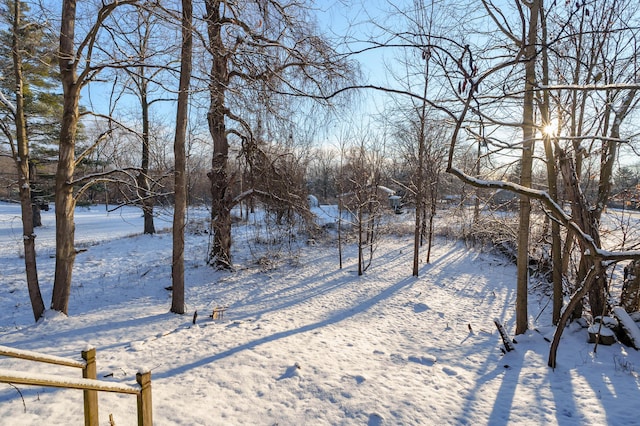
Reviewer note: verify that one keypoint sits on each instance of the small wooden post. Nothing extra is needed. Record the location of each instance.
(145, 416)
(218, 312)
(90, 396)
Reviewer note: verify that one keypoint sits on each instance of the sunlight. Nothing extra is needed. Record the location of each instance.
(550, 129)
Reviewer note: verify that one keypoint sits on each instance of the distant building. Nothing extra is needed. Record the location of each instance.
(628, 199)
(504, 200)
(385, 196)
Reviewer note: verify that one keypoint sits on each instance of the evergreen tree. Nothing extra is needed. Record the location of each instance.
(25, 113)
(40, 88)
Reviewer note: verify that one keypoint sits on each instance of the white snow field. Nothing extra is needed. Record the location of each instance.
(302, 342)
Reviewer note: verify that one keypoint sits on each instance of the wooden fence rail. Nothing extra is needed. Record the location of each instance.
(36, 356)
(88, 383)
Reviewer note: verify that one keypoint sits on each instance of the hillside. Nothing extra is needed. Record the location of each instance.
(301, 341)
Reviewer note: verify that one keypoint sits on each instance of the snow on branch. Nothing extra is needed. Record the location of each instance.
(6, 102)
(554, 209)
(590, 87)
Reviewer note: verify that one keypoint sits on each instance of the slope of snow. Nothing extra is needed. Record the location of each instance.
(301, 343)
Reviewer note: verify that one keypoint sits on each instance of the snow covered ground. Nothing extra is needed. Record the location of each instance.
(301, 343)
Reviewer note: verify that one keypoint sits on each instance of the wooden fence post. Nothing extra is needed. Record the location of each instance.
(90, 396)
(145, 417)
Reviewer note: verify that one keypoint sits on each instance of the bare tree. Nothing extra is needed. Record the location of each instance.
(322, 173)
(596, 43)
(76, 70)
(258, 48)
(418, 135)
(544, 102)
(582, 223)
(142, 34)
(364, 196)
(273, 179)
(528, 136)
(489, 78)
(177, 265)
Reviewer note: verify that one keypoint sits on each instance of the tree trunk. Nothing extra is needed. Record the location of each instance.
(630, 296)
(418, 222)
(372, 216)
(36, 211)
(528, 134)
(584, 217)
(177, 265)
(417, 232)
(360, 256)
(587, 218)
(476, 204)
(556, 262)
(432, 215)
(577, 114)
(599, 291)
(581, 291)
(552, 179)
(143, 177)
(221, 203)
(24, 181)
(340, 234)
(64, 200)
(220, 255)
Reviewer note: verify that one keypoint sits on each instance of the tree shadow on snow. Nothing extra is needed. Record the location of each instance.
(333, 319)
(56, 334)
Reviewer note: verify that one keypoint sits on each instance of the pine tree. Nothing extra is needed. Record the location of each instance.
(26, 112)
(40, 89)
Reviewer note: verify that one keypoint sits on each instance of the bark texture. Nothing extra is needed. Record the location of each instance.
(220, 255)
(24, 180)
(64, 200)
(177, 265)
(528, 134)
